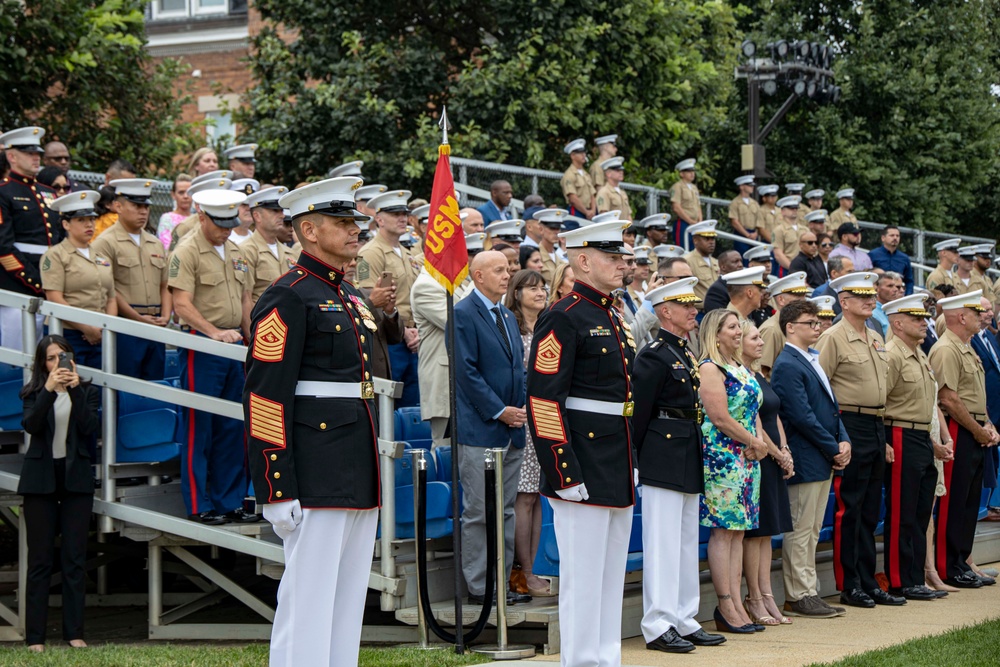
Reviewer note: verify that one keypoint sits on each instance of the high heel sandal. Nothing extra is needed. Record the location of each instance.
(766, 619)
(934, 582)
(722, 625)
(784, 619)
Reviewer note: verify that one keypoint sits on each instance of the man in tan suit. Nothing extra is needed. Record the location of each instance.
(703, 266)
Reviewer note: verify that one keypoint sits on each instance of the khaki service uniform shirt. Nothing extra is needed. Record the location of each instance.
(86, 282)
(774, 341)
(687, 194)
(957, 366)
(912, 392)
(939, 277)
(140, 269)
(597, 176)
(705, 269)
(836, 219)
(264, 265)
(768, 217)
(855, 364)
(613, 199)
(578, 182)
(549, 265)
(378, 256)
(746, 211)
(785, 237)
(216, 284)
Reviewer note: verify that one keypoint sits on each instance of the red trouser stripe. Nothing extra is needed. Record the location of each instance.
(897, 496)
(193, 485)
(838, 517)
(943, 506)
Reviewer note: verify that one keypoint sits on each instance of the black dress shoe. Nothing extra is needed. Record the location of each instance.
(517, 598)
(937, 594)
(209, 518)
(965, 580)
(881, 597)
(701, 638)
(987, 581)
(670, 642)
(857, 598)
(914, 593)
(240, 515)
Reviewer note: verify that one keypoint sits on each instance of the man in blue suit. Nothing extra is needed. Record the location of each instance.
(986, 347)
(819, 445)
(490, 383)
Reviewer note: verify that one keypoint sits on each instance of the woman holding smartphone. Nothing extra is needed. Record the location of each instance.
(60, 415)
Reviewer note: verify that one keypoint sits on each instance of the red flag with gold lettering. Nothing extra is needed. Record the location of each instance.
(445, 255)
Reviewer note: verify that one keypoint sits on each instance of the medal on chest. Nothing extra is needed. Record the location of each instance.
(366, 315)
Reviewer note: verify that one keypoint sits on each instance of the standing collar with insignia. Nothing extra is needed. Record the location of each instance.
(321, 269)
(591, 294)
(21, 178)
(672, 338)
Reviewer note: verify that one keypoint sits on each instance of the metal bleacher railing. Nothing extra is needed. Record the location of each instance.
(473, 178)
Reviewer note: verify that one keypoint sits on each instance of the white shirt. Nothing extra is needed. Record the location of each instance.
(221, 249)
(62, 408)
(528, 241)
(812, 356)
(238, 238)
(273, 247)
(84, 251)
(136, 237)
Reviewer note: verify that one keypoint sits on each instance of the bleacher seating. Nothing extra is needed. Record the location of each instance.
(439, 523)
(409, 425)
(172, 366)
(147, 429)
(11, 411)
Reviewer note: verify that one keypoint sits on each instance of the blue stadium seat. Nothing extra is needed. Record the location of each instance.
(984, 504)
(409, 425)
(438, 506)
(11, 409)
(777, 541)
(172, 365)
(826, 532)
(443, 457)
(147, 429)
(880, 528)
(704, 532)
(634, 562)
(547, 557)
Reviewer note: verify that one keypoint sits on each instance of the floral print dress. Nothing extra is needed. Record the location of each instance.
(732, 483)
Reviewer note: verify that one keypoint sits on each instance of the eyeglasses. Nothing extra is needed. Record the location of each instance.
(809, 242)
(59, 158)
(812, 324)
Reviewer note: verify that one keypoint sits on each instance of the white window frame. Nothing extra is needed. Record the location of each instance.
(192, 8)
(197, 10)
(176, 14)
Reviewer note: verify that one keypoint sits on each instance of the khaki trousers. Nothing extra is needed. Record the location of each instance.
(798, 550)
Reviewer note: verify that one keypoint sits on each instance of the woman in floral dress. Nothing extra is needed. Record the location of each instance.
(732, 449)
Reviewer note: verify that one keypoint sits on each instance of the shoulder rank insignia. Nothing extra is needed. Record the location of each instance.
(547, 420)
(548, 355)
(269, 340)
(655, 344)
(331, 307)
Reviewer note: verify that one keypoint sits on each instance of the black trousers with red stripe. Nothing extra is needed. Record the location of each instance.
(958, 509)
(859, 503)
(909, 496)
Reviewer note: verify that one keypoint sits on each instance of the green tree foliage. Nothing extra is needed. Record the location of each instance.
(917, 130)
(520, 78)
(80, 70)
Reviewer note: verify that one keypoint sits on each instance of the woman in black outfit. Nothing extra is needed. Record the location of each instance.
(775, 513)
(60, 414)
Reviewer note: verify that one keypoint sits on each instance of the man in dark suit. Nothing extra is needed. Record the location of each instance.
(490, 377)
(819, 444)
(835, 267)
(987, 349)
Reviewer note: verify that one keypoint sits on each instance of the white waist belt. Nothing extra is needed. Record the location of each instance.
(32, 248)
(334, 389)
(600, 407)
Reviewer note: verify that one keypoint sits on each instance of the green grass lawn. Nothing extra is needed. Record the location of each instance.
(255, 655)
(973, 645)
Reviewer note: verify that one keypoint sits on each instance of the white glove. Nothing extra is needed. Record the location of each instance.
(285, 517)
(574, 494)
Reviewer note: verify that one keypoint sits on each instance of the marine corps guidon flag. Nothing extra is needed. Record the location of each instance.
(445, 255)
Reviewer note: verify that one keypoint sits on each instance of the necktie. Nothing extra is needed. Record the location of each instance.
(627, 298)
(503, 330)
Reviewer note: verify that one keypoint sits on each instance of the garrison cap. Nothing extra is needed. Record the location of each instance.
(911, 304)
(393, 201)
(136, 190)
(744, 180)
(215, 184)
(243, 153)
(752, 276)
(24, 139)
(759, 253)
(505, 230)
(655, 221)
(793, 283)
(703, 228)
(680, 290)
(352, 168)
(575, 146)
(333, 197)
(686, 165)
(267, 198)
(969, 300)
(604, 236)
(221, 206)
(665, 251)
(76, 204)
(860, 282)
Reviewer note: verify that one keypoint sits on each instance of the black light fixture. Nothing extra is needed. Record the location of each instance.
(799, 87)
(778, 49)
(748, 48)
(770, 87)
(800, 49)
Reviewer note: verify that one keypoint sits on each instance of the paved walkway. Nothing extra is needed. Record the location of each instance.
(807, 641)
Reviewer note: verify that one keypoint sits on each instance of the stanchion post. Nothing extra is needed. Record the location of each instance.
(501, 651)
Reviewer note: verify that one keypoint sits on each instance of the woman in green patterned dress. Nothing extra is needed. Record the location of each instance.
(732, 449)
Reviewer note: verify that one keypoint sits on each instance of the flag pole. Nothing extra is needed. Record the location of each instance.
(456, 530)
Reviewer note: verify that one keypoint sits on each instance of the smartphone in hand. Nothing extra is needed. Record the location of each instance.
(65, 360)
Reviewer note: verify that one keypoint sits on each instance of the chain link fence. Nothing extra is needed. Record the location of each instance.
(162, 202)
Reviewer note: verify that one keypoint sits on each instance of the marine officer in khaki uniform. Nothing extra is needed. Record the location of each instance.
(611, 196)
(140, 267)
(814, 199)
(684, 201)
(207, 276)
(854, 359)
(267, 258)
(783, 291)
(200, 184)
(704, 266)
(768, 215)
(785, 236)
(607, 148)
(385, 255)
(845, 199)
(796, 190)
(944, 272)
(74, 274)
(743, 213)
(910, 479)
(577, 185)
(550, 222)
(962, 396)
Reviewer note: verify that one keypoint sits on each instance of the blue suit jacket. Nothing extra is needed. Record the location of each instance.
(992, 401)
(811, 417)
(491, 212)
(487, 379)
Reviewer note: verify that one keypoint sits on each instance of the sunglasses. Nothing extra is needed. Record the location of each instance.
(825, 245)
(809, 242)
(62, 188)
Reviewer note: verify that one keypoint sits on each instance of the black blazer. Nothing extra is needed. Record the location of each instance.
(38, 470)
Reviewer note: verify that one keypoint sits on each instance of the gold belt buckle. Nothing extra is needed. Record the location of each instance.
(628, 408)
(701, 417)
(367, 390)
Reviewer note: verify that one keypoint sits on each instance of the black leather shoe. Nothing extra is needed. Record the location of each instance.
(881, 597)
(965, 580)
(670, 642)
(857, 598)
(987, 581)
(913, 593)
(517, 598)
(701, 638)
(240, 515)
(209, 518)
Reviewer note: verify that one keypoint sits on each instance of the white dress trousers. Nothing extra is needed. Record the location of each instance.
(671, 589)
(321, 597)
(593, 550)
